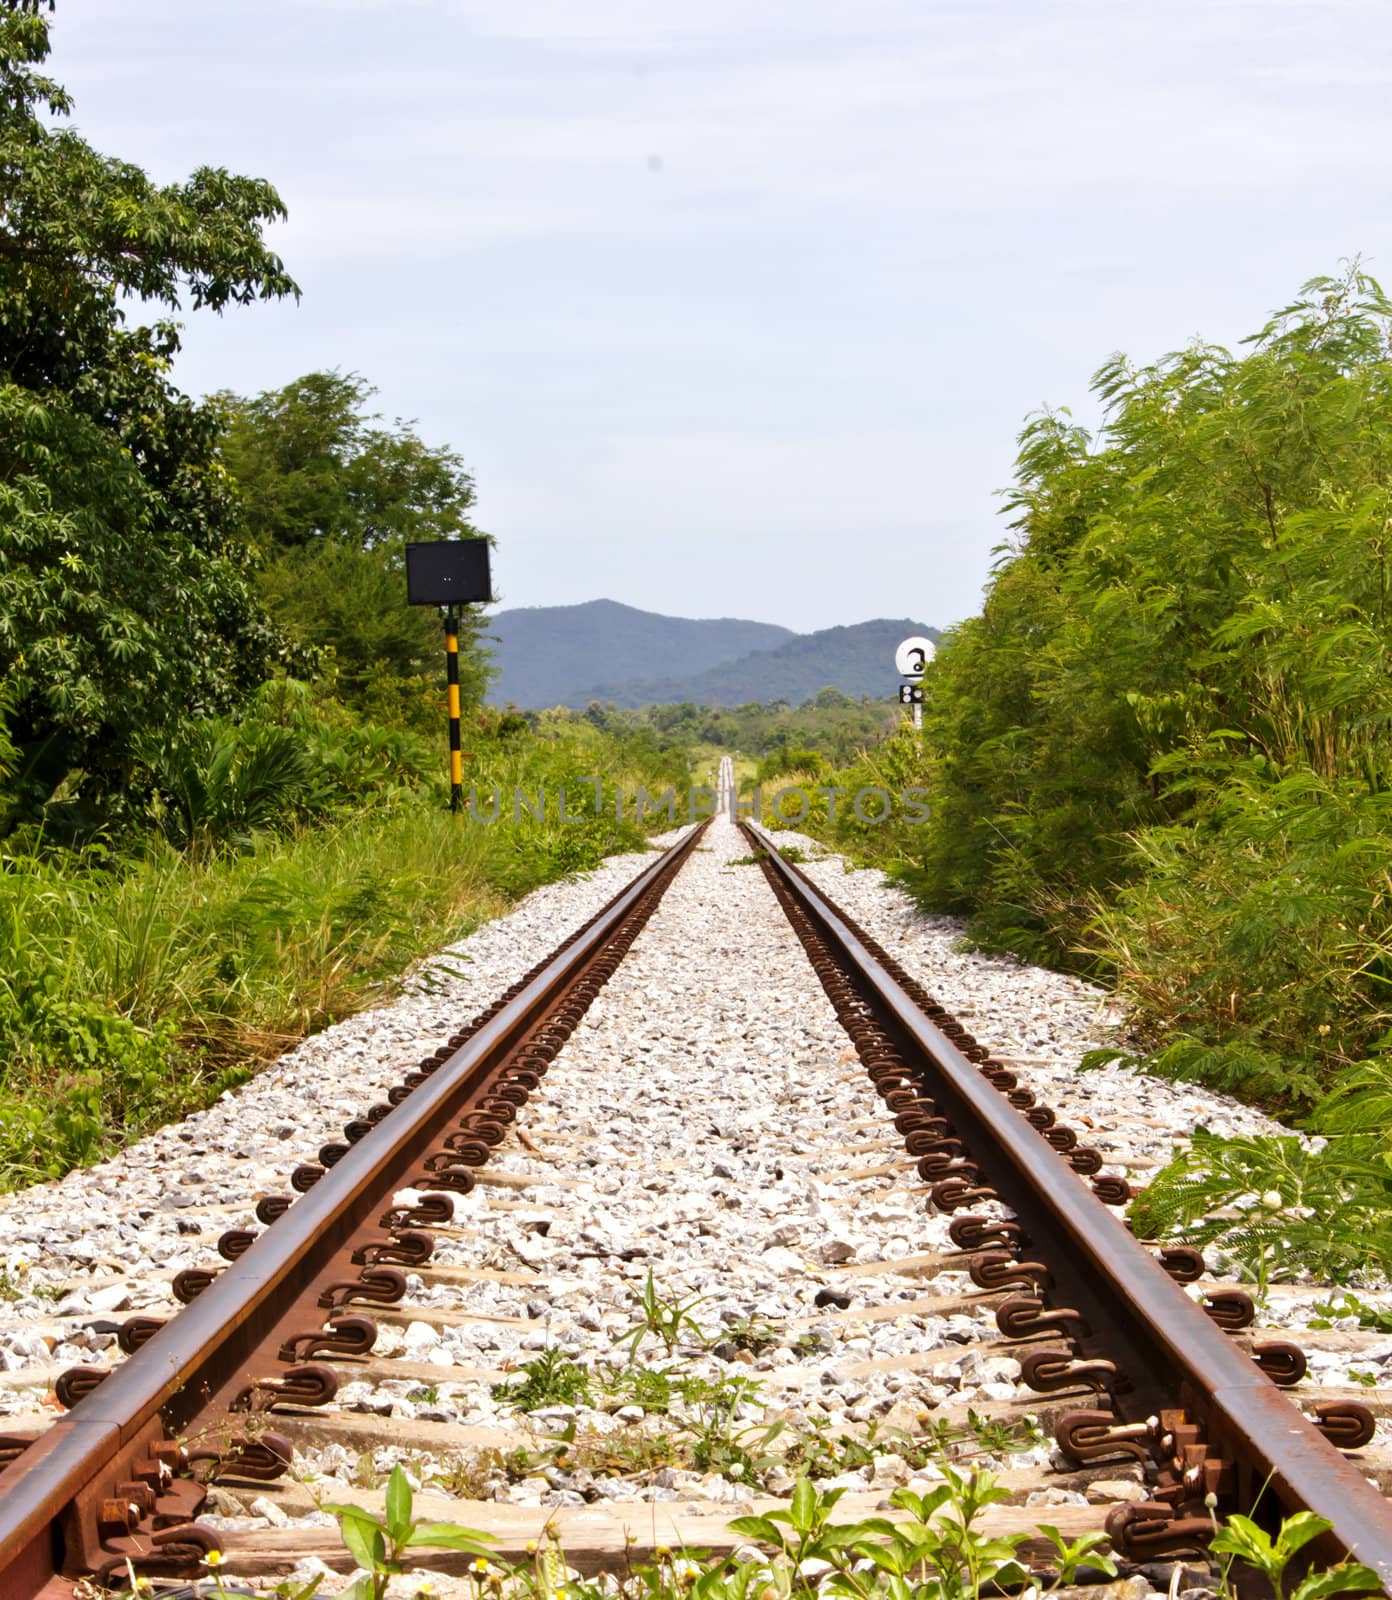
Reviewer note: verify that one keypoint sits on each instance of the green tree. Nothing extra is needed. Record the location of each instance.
(1165, 746)
(126, 598)
(331, 499)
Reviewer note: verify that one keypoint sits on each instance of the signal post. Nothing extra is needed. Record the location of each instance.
(448, 573)
(911, 658)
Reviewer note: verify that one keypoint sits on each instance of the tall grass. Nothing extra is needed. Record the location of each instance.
(132, 990)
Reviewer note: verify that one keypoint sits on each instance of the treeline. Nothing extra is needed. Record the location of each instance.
(1162, 749)
(1162, 754)
(829, 727)
(221, 728)
(161, 557)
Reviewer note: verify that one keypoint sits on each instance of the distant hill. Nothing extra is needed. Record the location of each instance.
(858, 660)
(570, 655)
(554, 655)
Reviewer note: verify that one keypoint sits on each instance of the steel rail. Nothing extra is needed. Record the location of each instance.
(164, 1384)
(1172, 1348)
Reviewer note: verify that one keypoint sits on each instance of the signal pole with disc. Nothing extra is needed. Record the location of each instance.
(910, 659)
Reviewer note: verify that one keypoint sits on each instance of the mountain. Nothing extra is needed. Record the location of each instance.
(553, 655)
(858, 660)
(570, 655)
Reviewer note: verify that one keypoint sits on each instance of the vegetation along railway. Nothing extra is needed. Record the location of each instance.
(604, 1297)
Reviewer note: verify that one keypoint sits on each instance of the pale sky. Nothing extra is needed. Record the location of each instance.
(736, 307)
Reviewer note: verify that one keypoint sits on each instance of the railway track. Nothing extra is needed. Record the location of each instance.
(1094, 1308)
(421, 1239)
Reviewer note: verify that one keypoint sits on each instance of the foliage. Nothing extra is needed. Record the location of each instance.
(331, 498)
(550, 1379)
(821, 732)
(646, 1386)
(1241, 1539)
(139, 980)
(1326, 1312)
(925, 1556)
(893, 764)
(125, 591)
(720, 1428)
(1286, 1204)
(788, 761)
(668, 1318)
(1277, 1205)
(1161, 753)
(380, 1545)
(224, 781)
(935, 1549)
(216, 782)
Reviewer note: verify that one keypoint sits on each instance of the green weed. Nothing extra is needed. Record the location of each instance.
(380, 1545)
(139, 979)
(667, 1318)
(550, 1379)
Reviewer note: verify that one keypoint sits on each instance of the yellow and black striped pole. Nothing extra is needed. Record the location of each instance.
(452, 680)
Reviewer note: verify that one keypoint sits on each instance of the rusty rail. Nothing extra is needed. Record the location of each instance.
(1175, 1386)
(103, 1483)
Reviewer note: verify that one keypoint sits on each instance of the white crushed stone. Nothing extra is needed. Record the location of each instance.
(705, 1121)
(112, 1236)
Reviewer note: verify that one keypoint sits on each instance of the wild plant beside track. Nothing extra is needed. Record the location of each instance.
(1161, 756)
(146, 971)
(937, 1548)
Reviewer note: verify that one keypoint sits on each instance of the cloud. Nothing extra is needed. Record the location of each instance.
(742, 274)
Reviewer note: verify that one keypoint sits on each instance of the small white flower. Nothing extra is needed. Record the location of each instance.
(1272, 1199)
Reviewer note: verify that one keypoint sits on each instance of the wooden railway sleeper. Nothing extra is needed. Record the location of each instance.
(1086, 1162)
(1095, 1433)
(1231, 1309)
(128, 1515)
(482, 1126)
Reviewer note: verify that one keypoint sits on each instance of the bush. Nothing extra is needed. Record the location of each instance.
(1161, 754)
(139, 982)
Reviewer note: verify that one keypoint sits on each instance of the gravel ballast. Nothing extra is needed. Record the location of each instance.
(706, 1123)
